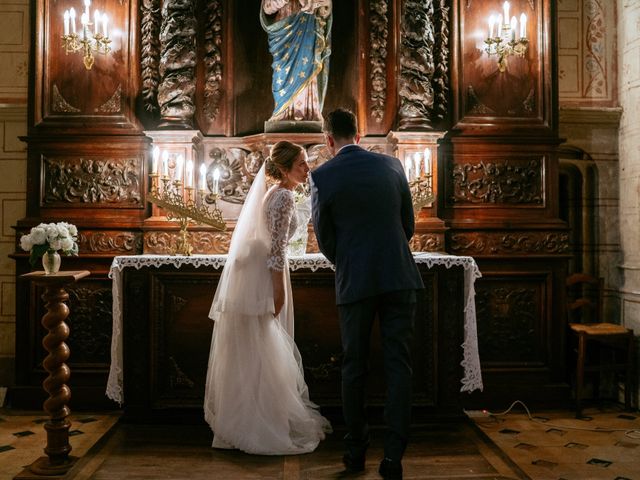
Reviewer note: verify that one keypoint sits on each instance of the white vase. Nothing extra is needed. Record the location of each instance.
(51, 262)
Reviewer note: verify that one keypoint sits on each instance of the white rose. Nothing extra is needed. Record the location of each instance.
(67, 244)
(63, 232)
(73, 230)
(25, 243)
(52, 233)
(38, 236)
(55, 244)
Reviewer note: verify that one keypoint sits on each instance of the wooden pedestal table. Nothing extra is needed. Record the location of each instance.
(58, 461)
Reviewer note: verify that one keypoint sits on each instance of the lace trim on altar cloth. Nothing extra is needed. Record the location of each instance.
(471, 381)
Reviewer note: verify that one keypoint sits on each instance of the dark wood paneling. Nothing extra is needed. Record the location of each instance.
(167, 339)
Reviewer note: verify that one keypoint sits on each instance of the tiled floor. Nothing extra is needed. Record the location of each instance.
(22, 437)
(607, 446)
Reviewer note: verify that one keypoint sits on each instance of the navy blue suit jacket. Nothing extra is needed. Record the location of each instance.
(363, 220)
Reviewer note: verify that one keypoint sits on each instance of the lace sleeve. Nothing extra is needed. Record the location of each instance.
(279, 212)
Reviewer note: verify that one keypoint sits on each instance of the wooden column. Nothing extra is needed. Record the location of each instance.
(58, 461)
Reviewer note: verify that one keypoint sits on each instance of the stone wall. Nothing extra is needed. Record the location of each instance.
(14, 51)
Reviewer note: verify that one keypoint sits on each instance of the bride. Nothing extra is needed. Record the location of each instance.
(256, 399)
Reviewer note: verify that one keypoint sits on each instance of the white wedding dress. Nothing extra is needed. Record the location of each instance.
(256, 399)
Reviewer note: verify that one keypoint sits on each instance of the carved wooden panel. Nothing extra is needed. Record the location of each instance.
(92, 181)
(167, 347)
(101, 99)
(487, 181)
(165, 242)
(509, 243)
(110, 242)
(512, 319)
(427, 242)
(520, 96)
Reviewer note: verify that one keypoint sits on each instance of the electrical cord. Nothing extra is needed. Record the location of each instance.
(629, 433)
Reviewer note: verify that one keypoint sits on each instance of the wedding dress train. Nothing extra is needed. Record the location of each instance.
(256, 399)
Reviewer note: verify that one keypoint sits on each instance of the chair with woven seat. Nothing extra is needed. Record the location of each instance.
(585, 312)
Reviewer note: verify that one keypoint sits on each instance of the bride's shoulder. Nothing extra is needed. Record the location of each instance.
(277, 196)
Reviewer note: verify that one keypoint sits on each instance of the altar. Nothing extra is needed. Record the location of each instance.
(161, 332)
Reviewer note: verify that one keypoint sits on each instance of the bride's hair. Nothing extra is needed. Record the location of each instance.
(282, 156)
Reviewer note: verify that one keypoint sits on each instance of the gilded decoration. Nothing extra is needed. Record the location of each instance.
(595, 61)
(150, 53)
(113, 242)
(508, 182)
(164, 243)
(378, 34)
(177, 89)
(237, 168)
(509, 243)
(60, 105)
(213, 59)
(92, 181)
(114, 104)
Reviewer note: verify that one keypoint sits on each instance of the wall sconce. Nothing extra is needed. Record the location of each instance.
(504, 43)
(417, 168)
(88, 40)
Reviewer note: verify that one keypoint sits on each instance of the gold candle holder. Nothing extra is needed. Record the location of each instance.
(171, 198)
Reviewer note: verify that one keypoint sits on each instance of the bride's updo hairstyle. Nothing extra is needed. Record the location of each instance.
(281, 159)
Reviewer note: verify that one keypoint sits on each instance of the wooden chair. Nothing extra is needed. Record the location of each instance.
(585, 312)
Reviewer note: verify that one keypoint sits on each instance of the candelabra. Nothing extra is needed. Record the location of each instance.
(87, 41)
(171, 197)
(417, 167)
(504, 43)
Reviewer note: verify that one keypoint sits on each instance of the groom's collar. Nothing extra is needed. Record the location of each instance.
(348, 148)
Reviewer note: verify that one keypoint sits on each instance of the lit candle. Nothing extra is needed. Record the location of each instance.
(499, 34)
(188, 181)
(105, 20)
(165, 163)
(155, 156)
(86, 7)
(523, 26)
(417, 160)
(96, 22)
(216, 179)
(505, 7)
(178, 171)
(84, 19)
(72, 17)
(66, 23)
(203, 177)
(427, 161)
(492, 21)
(514, 27)
(407, 166)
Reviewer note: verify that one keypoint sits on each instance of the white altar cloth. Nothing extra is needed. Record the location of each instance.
(472, 379)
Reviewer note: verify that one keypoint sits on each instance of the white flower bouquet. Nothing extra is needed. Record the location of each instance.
(50, 237)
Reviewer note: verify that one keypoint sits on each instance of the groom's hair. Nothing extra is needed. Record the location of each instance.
(341, 123)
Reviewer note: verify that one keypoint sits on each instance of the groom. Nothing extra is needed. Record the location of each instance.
(363, 220)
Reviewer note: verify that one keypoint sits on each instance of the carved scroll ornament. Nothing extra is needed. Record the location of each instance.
(114, 242)
(427, 242)
(378, 33)
(87, 180)
(509, 243)
(164, 243)
(213, 59)
(177, 89)
(424, 63)
(509, 182)
(150, 53)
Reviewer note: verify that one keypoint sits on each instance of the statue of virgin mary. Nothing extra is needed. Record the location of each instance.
(299, 34)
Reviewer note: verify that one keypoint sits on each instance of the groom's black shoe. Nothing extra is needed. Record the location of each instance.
(352, 463)
(390, 469)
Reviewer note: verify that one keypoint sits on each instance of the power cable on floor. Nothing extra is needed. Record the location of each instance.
(630, 433)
